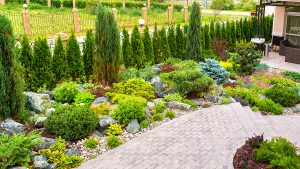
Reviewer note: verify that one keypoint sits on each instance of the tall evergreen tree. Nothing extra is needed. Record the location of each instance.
(223, 30)
(243, 37)
(193, 44)
(172, 41)
(218, 30)
(138, 48)
(108, 54)
(11, 80)
(207, 39)
(238, 31)
(89, 54)
(59, 61)
(212, 29)
(232, 36)
(246, 29)
(180, 41)
(42, 64)
(148, 46)
(26, 60)
(75, 61)
(164, 45)
(127, 50)
(156, 46)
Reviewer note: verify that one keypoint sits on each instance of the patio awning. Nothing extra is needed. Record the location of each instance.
(280, 2)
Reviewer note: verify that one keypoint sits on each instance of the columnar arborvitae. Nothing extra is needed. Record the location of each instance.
(138, 52)
(238, 31)
(59, 61)
(156, 46)
(207, 39)
(246, 30)
(11, 80)
(89, 54)
(164, 45)
(243, 37)
(26, 60)
(223, 31)
(127, 50)
(218, 30)
(180, 41)
(193, 44)
(172, 41)
(148, 46)
(75, 61)
(232, 35)
(108, 58)
(212, 29)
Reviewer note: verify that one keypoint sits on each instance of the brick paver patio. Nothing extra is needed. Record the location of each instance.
(206, 138)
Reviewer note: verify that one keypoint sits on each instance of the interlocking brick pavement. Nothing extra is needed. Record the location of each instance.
(206, 138)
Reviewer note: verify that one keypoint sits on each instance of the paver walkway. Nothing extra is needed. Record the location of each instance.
(276, 61)
(206, 138)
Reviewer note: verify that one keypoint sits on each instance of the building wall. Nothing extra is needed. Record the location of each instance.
(279, 21)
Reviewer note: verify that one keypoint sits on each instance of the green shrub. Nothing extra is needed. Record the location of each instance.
(269, 106)
(114, 129)
(261, 66)
(281, 82)
(279, 153)
(24, 115)
(284, 96)
(72, 122)
(129, 109)
(254, 108)
(294, 75)
(84, 97)
(136, 87)
(56, 154)
(249, 95)
(91, 143)
(160, 106)
(102, 109)
(157, 117)
(66, 92)
(113, 141)
(189, 102)
(16, 149)
(187, 65)
(146, 74)
(170, 114)
(144, 123)
(224, 100)
(173, 97)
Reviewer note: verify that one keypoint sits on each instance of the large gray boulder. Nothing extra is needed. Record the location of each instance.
(106, 121)
(211, 98)
(156, 68)
(178, 105)
(157, 84)
(150, 105)
(164, 93)
(72, 152)
(133, 126)
(39, 122)
(40, 161)
(50, 93)
(99, 100)
(11, 127)
(38, 102)
(47, 142)
(49, 111)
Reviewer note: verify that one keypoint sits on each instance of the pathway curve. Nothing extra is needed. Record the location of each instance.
(207, 138)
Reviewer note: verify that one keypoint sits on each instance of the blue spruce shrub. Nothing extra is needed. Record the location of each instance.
(213, 69)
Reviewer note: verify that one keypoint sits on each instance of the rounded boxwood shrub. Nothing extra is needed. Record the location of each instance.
(91, 143)
(157, 117)
(284, 96)
(84, 97)
(269, 106)
(72, 122)
(113, 141)
(66, 92)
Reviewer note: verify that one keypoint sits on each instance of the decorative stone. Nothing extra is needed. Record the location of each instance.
(261, 96)
(98, 133)
(133, 126)
(164, 93)
(157, 100)
(242, 101)
(11, 127)
(99, 100)
(150, 105)
(50, 93)
(49, 111)
(232, 100)
(157, 84)
(37, 102)
(231, 81)
(80, 87)
(207, 104)
(178, 105)
(72, 152)
(51, 166)
(40, 161)
(106, 121)
(47, 142)
(147, 112)
(211, 98)
(40, 122)
(295, 109)
(18, 167)
(156, 68)
(65, 104)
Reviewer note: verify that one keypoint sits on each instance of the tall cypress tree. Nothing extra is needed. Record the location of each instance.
(26, 60)
(156, 46)
(232, 35)
(218, 30)
(172, 41)
(108, 58)
(42, 64)
(59, 61)
(164, 45)
(243, 37)
(246, 29)
(212, 29)
(193, 44)
(89, 54)
(148, 46)
(127, 50)
(75, 61)
(138, 52)
(223, 31)
(238, 31)
(11, 80)
(180, 41)
(207, 39)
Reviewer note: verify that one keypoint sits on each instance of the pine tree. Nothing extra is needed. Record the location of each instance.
(75, 61)
(148, 46)
(127, 50)
(164, 45)
(42, 64)
(193, 44)
(59, 61)
(138, 50)
(26, 60)
(180, 41)
(89, 54)
(156, 46)
(108, 54)
(207, 38)
(11, 80)
(172, 41)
